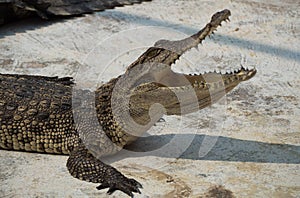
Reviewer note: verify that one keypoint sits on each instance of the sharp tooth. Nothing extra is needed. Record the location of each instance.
(200, 84)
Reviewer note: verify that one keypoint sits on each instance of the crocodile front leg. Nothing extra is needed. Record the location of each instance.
(84, 166)
(85, 162)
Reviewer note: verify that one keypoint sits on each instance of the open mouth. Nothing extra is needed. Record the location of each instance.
(155, 82)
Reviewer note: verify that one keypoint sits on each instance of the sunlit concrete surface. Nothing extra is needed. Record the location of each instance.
(247, 145)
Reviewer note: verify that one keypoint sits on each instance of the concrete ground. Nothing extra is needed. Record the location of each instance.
(246, 146)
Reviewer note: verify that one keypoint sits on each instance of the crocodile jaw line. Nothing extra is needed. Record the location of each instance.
(150, 80)
(207, 87)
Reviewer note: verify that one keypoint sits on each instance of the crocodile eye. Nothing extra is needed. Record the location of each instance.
(66, 106)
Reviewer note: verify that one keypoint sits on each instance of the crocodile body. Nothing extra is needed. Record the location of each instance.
(16, 9)
(42, 114)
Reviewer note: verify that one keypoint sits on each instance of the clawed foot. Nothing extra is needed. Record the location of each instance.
(126, 185)
(83, 165)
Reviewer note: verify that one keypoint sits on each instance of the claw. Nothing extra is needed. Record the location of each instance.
(136, 183)
(126, 185)
(111, 190)
(138, 191)
(102, 186)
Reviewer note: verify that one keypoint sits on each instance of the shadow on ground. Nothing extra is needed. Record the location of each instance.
(224, 149)
(27, 24)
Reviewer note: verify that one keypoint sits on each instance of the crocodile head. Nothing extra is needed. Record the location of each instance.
(149, 88)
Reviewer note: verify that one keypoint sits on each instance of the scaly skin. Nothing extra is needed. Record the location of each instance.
(16, 9)
(45, 114)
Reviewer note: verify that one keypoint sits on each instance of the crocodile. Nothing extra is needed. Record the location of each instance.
(46, 9)
(48, 115)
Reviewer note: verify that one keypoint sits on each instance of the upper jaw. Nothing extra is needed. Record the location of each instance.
(167, 52)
